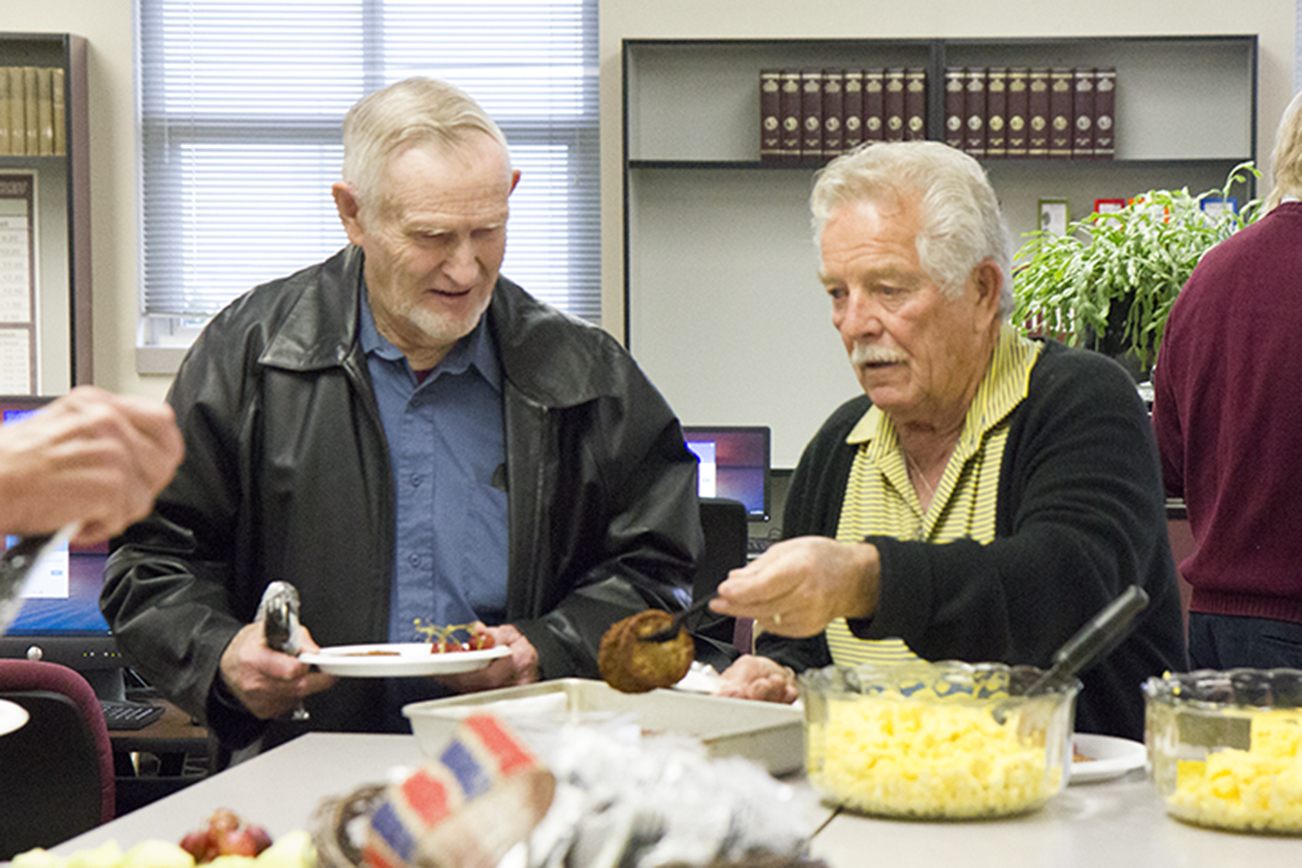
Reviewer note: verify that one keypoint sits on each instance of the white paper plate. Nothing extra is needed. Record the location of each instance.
(12, 716)
(1110, 757)
(403, 659)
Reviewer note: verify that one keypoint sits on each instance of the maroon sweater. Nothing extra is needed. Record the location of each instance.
(1228, 416)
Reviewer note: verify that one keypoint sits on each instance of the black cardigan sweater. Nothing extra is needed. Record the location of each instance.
(1080, 516)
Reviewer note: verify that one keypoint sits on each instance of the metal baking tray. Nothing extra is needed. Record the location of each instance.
(768, 733)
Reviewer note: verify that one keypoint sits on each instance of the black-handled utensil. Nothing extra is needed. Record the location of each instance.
(1096, 638)
(670, 631)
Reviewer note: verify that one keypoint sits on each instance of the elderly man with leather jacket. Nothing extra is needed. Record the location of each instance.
(408, 438)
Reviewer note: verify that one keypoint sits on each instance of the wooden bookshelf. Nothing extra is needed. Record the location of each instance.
(55, 322)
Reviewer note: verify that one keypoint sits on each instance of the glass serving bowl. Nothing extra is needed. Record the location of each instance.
(1225, 747)
(944, 740)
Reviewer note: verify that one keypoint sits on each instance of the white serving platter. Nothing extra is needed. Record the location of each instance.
(766, 732)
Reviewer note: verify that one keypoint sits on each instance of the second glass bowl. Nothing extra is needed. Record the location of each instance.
(1225, 747)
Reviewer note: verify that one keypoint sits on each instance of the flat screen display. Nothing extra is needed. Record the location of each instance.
(733, 463)
(60, 615)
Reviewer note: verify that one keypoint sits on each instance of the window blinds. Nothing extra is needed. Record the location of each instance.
(241, 105)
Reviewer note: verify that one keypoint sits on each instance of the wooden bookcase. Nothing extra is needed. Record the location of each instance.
(724, 310)
(57, 327)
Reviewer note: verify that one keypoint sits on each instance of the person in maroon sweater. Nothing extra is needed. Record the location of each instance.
(1227, 411)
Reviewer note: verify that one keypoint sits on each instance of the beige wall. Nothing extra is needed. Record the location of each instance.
(1274, 21)
(108, 26)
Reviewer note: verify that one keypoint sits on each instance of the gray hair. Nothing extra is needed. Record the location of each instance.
(1286, 161)
(961, 221)
(412, 111)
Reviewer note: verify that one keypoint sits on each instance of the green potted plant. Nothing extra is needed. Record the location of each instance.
(1109, 281)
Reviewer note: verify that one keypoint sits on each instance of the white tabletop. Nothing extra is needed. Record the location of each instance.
(1112, 823)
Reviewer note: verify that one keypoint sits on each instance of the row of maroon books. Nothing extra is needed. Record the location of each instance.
(815, 114)
(998, 112)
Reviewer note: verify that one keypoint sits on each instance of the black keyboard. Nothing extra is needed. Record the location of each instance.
(129, 715)
(757, 545)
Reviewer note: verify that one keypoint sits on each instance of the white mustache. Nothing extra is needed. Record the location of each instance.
(869, 354)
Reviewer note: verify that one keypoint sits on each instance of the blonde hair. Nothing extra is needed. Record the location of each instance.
(412, 111)
(961, 221)
(1286, 160)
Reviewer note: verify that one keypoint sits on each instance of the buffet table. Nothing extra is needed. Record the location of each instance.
(1119, 822)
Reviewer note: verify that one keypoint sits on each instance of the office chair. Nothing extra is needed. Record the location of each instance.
(56, 772)
(723, 522)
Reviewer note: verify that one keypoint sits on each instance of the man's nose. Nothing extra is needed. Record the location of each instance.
(462, 265)
(862, 315)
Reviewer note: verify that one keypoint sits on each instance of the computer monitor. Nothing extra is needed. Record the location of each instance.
(60, 619)
(734, 463)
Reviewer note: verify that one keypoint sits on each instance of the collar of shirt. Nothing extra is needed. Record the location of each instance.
(1003, 388)
(475, 350)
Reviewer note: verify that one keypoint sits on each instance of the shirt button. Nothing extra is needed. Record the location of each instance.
(416, 480)
(414, 560)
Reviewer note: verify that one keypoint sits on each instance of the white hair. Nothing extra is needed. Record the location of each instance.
(412, 111)
(1286, 160)
(961, 221)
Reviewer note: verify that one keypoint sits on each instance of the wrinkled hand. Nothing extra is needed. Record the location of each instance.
(754, 677)
(90, 457)
(800, 585)
(520, 667)
(269, 683)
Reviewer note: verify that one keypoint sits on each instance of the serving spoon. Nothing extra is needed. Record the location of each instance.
(1096, 638)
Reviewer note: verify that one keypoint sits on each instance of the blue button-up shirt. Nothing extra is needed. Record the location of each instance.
(447, 448)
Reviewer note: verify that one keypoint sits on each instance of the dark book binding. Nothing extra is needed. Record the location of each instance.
(1060, 112)
(789, 102)
(874, 105)
(954, 126)
(833, 106)
(1015, 121)
(915, 103)
(770, 84)
(811, 114)
(974, 110)
(1037, 113)
(1082, 142)
(852, 109)
(1105, 101)
(997, 112)
(893, 104)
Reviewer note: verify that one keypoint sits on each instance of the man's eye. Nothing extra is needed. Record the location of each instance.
(836, 293)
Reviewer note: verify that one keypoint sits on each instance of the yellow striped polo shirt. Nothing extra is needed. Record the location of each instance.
(880, 500)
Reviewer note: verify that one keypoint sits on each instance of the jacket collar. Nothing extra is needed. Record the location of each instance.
(537, 346)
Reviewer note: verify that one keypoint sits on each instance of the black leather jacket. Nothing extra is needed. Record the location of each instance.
(287, 476)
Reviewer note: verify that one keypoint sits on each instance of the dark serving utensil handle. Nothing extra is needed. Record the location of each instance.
(669, 632)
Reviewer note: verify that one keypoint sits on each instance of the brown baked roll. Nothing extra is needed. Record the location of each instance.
(632, 666)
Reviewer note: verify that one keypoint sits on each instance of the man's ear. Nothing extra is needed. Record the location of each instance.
(987, 282)
(515, 179)
(349, 211)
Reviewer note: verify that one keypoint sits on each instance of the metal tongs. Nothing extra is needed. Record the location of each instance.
(278, 612)
(671, 630)
(16, 565)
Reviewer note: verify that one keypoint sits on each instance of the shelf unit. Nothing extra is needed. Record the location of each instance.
(61, 355)
(724, 310)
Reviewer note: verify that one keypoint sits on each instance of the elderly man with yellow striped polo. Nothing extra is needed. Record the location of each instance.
(987, 494)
